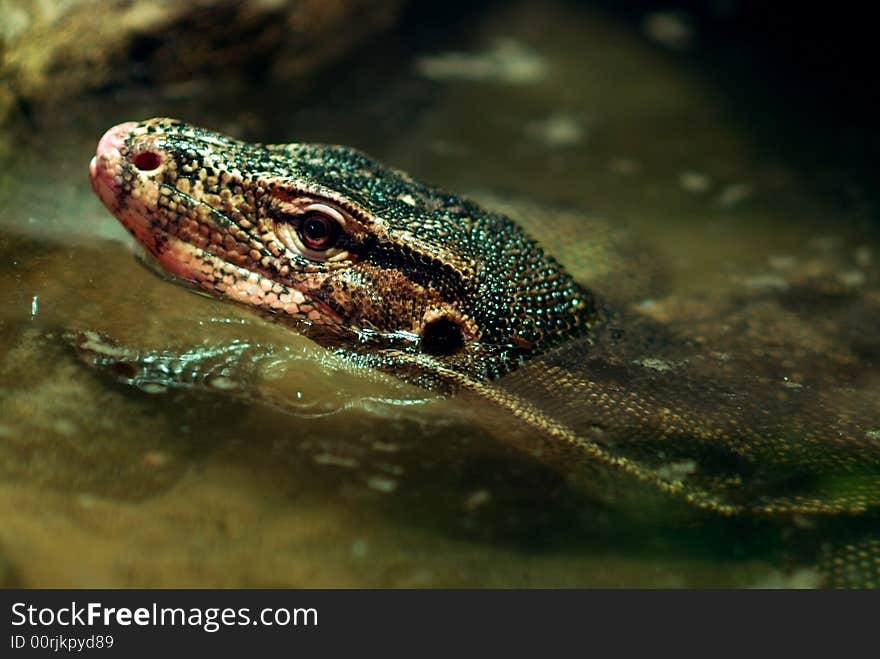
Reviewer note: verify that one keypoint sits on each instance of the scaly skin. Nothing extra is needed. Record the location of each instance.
(410, 270)
(742, 410)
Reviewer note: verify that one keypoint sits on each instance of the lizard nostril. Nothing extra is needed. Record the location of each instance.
(442, 337)
(147, 161)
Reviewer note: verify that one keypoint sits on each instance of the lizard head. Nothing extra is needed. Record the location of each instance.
(351, 251)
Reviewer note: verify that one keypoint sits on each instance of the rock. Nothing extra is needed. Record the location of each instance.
(55, 49)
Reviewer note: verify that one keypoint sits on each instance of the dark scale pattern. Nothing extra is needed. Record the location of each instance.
(413, 253)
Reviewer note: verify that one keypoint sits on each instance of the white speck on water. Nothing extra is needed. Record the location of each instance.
(677, 471)
(863, 256)
(654, 363)
(557, 130)
(803, 522)
(381, 484)
(360, 548)
(672, 29)
(852, 278)
(96, 343)
(767, 282)
(508, 61)
(799, 579)
(873, 434)
(407, 199)
(477, 499)
(804, 579)
(695, 182)
(734, 194)
(223, 383)
(87, 500)
(64, 427)
(393, 469)
(152, 387)
(155, 459)
(335, 460)
(419, 578)
(385, 447)
(782, 262)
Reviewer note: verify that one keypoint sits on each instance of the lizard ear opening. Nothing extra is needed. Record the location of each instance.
(442, 336)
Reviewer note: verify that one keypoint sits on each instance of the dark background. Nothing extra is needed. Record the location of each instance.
(816, 65)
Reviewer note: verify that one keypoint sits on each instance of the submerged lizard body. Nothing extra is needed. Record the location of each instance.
(435, 289)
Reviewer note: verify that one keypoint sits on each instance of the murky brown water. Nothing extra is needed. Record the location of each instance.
(372, 483)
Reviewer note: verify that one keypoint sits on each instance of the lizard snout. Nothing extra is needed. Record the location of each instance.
(104, 169)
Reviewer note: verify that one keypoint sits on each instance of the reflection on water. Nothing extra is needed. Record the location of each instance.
(361, 480)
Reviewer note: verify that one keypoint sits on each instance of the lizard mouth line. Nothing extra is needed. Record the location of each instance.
(174, 259)
(216, 276)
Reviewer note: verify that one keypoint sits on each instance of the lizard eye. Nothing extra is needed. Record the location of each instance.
(318, 232)
(314, 232)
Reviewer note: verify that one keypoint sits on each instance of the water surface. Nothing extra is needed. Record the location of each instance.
(371, 482)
